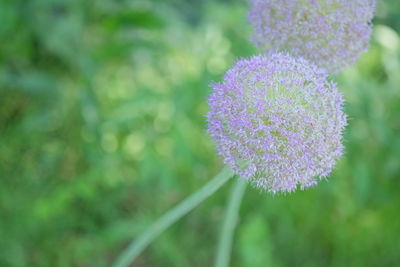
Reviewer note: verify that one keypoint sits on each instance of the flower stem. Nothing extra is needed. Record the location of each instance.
(230, 221)
(138, 245)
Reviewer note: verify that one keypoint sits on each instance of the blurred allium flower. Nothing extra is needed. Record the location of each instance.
(277, 121)
(331, 33)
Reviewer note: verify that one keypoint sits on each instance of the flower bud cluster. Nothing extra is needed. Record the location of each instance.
(277, 121)
(330, 33)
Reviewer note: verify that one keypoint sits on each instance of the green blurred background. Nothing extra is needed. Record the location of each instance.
(102, 130)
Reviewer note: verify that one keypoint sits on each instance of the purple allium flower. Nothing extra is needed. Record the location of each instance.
(277, 121)
(331, 33)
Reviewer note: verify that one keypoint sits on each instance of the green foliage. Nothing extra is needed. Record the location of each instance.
(102, 130)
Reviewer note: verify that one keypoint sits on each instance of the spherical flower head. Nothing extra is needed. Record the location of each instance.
(330, 33)
(277, 121)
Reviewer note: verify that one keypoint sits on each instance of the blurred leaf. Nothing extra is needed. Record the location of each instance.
(132, 19)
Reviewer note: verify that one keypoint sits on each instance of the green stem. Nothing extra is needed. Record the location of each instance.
(138, 245)
(230, 221)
